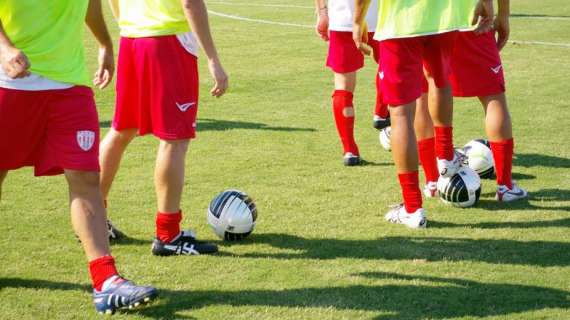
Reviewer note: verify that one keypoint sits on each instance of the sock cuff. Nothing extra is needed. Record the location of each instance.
(443, 130)
(342, 93)
(426, 142)
(409, 177)
(509, 142)
(104, 260)
(169, 217)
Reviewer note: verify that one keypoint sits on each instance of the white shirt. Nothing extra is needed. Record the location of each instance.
(33, 82)
(341, 13)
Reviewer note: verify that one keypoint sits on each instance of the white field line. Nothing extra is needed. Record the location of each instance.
(286, 24)
(260, 5)
(234, 17)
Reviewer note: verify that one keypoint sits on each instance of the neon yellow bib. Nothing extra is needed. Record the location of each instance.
(151, 18)
(408, 18)
(50, 33)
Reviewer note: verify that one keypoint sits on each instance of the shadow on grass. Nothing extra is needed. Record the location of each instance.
(413, 297)
(529, 160)
(543, 195)
(525, 15)
(557, 223)
(223, 125)
(537, 253)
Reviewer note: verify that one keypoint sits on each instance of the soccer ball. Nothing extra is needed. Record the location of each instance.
(385, 138)
(232, 215)
(462, 189)
(478, 156)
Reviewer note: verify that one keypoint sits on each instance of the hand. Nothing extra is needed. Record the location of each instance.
(104, 73)
(322, 27)
(503, 30)
(14, 62)
(484, 15)
(220, 78)
(360, 37)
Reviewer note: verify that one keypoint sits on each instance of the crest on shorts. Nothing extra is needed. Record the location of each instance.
(85, 139)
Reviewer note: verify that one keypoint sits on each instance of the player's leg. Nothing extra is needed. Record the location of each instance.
(498, 126)
(73, 135)
(111, 151)
(437, 67)
(344, 115)
(3, 175)
(169, 108)
(381, 117)
(423, 126)
(402, 59)
(344, 59)
(478, 72)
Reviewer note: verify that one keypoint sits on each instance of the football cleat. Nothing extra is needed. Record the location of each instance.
(184, 244)
(114, 233)
(430, 190)
(120, 294)
(504, 194)
(448, 168)
(351, 159)
(380, 123)
(398, 214)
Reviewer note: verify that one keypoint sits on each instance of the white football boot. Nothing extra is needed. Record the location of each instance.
(398, 214)
(448, 168)
(504, 194)
(430, 190)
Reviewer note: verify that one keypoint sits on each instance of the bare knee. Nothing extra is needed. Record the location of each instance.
(173, 147)
(84, 183)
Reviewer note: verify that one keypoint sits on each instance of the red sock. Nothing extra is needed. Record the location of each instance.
(168, 225)
(503, 156)
(345, 123)
(411, 191)
(381, 109)
(426, 151)
(444, 143)
(102, 269)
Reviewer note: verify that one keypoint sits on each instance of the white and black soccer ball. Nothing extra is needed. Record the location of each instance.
(232, 215)
(479, 157)
(461, 190)
(384, 137)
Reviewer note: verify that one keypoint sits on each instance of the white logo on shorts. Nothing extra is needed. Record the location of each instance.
(381, 74)
(186, 106)
(85, 139)
(497, 69)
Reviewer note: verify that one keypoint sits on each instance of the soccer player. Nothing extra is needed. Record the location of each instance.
(406, 49)
(477, 71)
(157, 93)
(48, 120)
(334, 24)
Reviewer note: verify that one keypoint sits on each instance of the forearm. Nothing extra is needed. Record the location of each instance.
(114, 4)
(4, 40)
(96, 24)
(320, 5)
(197, 16)
(504, 8)
(360, 10)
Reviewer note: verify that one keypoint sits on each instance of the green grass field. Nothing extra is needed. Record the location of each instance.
(321, 249)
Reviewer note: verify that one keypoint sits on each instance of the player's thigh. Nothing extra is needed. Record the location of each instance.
(401, 70)
(72, 140)
(22, 127)
(437, 54)
(345, 81)
(343, 55)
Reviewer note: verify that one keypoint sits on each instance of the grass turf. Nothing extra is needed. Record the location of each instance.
(321, 249)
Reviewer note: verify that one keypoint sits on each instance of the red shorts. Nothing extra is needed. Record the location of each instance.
(476, 66)
(157, 88)
(402, 63)
(343, 55)
(51, 130)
